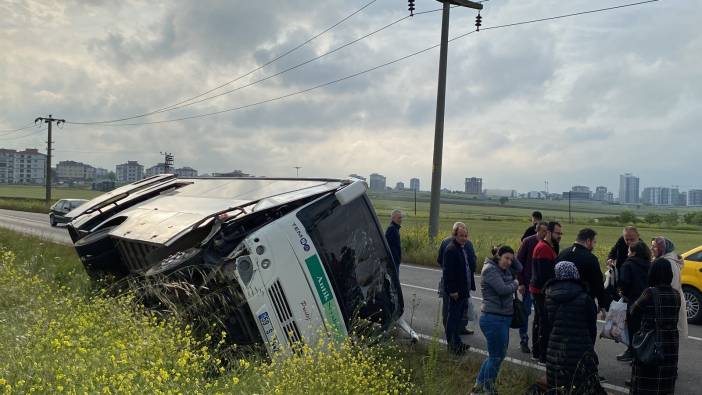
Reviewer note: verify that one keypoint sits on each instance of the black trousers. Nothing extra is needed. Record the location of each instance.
(454, 322)
(541, 328)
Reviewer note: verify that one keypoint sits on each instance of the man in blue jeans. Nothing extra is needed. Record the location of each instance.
(457, 287)
(524, 255)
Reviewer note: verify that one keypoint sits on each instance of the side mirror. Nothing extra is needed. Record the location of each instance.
(350, 193)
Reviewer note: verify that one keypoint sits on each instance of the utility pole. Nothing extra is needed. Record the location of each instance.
(570, 216)
(440, 106)
(297, 170)
(49, 120)
(168, 160)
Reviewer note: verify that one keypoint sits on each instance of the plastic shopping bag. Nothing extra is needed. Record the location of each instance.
(615, 323)
(470, 314)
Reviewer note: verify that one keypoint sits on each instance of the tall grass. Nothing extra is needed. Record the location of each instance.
(25, 204)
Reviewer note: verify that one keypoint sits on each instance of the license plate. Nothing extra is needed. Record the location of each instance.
(268, 332)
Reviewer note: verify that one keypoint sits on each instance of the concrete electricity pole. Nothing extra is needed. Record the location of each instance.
(49, 120)
(297, 170)
(440, 105)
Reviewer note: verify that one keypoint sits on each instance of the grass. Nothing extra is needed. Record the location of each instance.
(39, 192)
(59, 335)
(490, 226)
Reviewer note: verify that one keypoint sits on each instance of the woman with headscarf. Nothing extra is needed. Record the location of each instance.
(664, 248)
(571, 362)
(633, 279)
(658, 308)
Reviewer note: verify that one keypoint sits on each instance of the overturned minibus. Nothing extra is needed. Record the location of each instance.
(305, 256)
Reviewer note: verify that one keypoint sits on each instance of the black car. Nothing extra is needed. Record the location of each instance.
(58, 213)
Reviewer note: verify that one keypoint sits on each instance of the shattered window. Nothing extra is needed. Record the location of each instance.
(353, 251)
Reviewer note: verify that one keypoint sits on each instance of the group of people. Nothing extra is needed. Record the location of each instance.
(567, 290)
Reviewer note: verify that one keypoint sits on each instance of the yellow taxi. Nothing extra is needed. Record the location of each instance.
(692, 284)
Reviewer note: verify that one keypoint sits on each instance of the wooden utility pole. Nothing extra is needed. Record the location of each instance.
(440, 105)
(49, 120)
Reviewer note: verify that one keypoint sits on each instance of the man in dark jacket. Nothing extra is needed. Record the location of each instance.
(535, 219)
(543, 266)
(392, 234)
(472, 264)
(620, 251)
(455, 279)
(525, 256)
(588, 266)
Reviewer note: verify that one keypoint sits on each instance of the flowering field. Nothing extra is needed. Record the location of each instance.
(60, 336)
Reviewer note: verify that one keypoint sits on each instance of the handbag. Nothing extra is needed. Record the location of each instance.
(518, 316)
(647, 345)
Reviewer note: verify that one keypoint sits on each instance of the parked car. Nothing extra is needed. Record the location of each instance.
(692, 284)
(58, 213)
(290, 256)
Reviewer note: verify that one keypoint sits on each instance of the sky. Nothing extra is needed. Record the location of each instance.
(575, 101)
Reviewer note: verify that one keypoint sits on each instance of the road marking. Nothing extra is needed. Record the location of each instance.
(520, 362)
(407, 265)
(433, 290)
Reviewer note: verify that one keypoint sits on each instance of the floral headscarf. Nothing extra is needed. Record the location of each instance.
(566, 270)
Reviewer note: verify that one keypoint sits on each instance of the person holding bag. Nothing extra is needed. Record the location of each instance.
(655, 367)
(633, 279)
(498, 286)
(571, 361)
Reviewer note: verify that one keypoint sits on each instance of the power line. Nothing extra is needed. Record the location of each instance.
(375, 67)
(286, 53)
(283, 71)
(31, 133)
(9, 131)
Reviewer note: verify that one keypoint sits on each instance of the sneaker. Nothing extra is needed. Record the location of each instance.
(459, 349)
(603, 379)
(525, 348)
(466, 331)
(627, 383)
(477, 390)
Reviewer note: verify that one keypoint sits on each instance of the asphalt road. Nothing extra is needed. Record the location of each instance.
(35, 224)
(422, 305)
(419, 288)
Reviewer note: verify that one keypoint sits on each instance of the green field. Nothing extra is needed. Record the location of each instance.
(39, 192)
(494, 225)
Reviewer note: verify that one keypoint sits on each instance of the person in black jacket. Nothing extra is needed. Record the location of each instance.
(633, 280)
(620, 251)
(457, 287)
(536, 217)
(571, 362)
(392, 235)
(588, 266)
(472, 265)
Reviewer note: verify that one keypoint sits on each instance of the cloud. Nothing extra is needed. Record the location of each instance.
(574, 101)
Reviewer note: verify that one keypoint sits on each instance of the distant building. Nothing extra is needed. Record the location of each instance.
(509, 193)
(682, 199)
(600, 194)
(414, 184)
(694, 197)
(628, 189)
(22, 167)
(354, 175)
(535, 195)
(400, 186)
(574, 195)
(101, 173)
(159, 168)
(474, 186)
(377, 182)
(234, 174)
(69, 170)
(130, 171)
(185, 172)
(660, 196)
(609, 197)
(103, 186)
